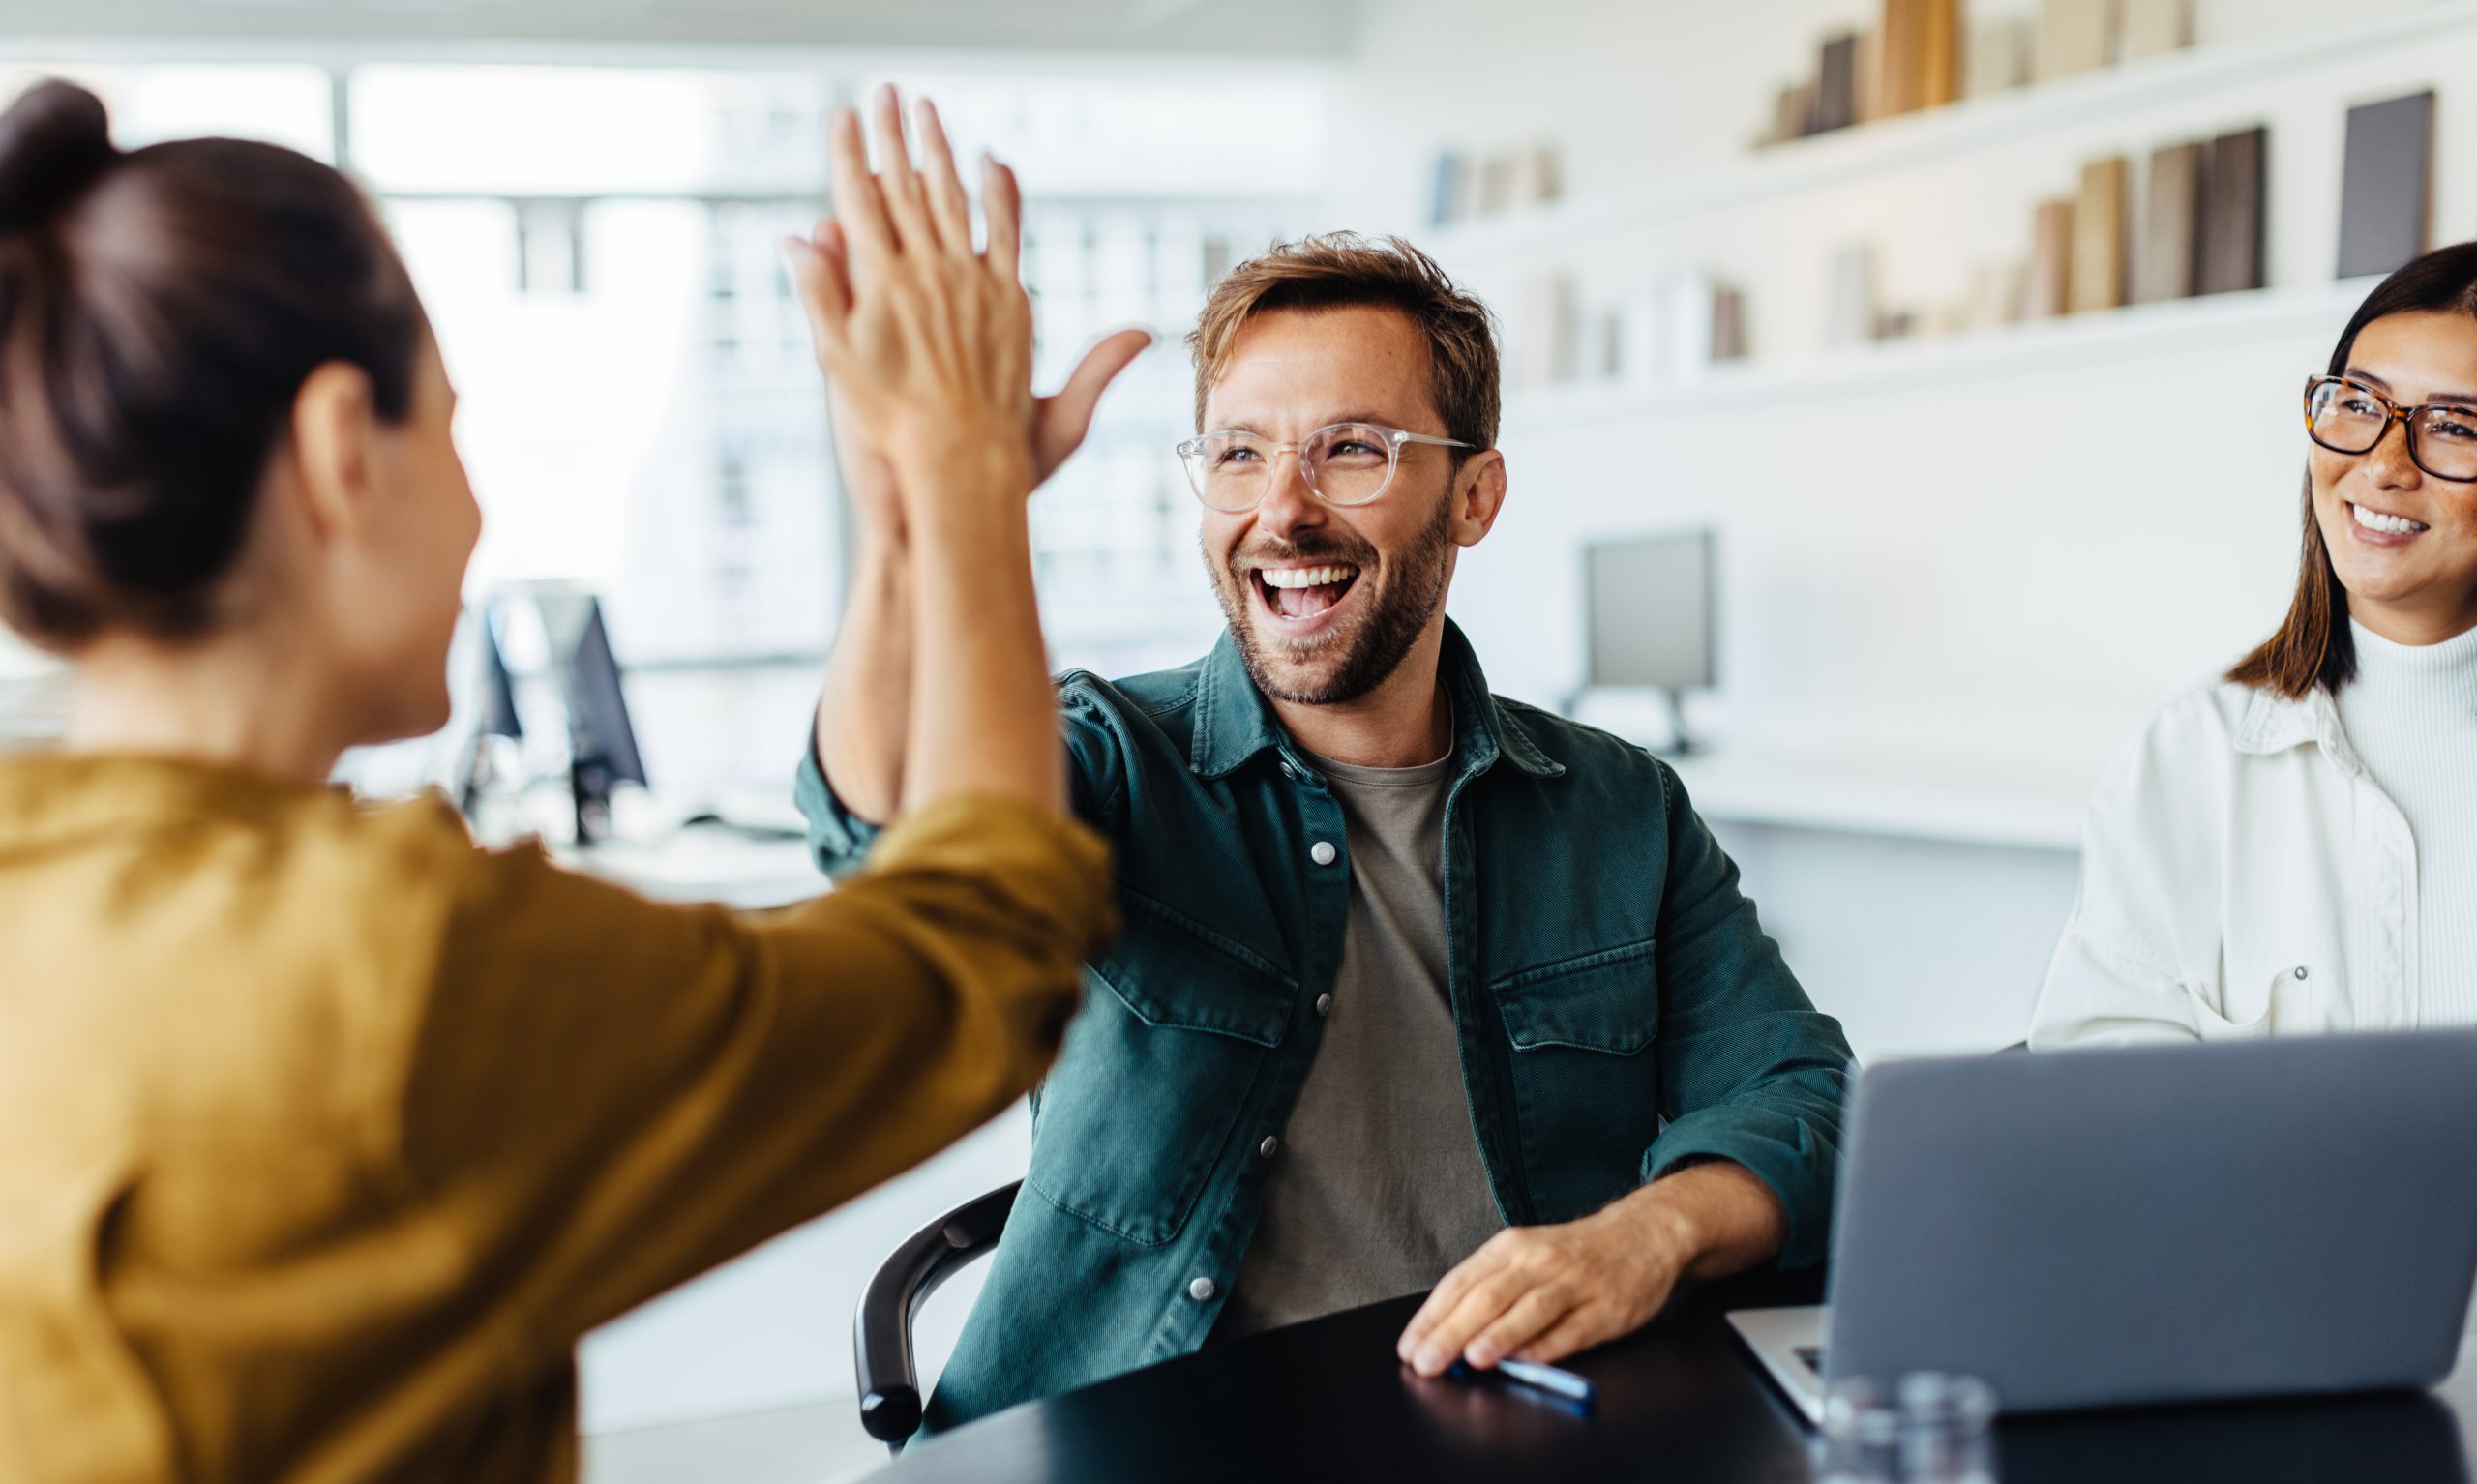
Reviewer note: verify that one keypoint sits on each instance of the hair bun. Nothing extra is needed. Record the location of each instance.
(55, 140)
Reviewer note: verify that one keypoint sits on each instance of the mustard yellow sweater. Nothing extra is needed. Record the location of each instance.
(325, 1134)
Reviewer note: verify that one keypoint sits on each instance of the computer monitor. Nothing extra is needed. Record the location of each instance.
(485, 693)
(495, 698)
(1648, 611)
(602, 744)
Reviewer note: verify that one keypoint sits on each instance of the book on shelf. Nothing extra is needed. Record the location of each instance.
(1547, 338)
(1607, 359)
(1640, 339)
(2075, 35)
(1450, 197)
(1499, 178)
(1837, 85)
(2152, 27)
(1995, 295)
(2170, 252)
(2047, 290)
(2387, 185)
(1537, 178)
(1921, 55)
(1685, 319)
(1794, 113)
(2234, 178)
(1867, 69)
(1677, 325)
(2099, 232)
(2001, 54)
(1731, 339)
(1853, 305)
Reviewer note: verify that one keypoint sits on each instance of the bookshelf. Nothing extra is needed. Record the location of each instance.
(2108, 337)
(1973, 125)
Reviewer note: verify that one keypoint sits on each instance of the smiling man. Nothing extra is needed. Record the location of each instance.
(1421, 987)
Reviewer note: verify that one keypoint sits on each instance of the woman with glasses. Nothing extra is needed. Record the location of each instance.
(324, 1134)
(2294, 848)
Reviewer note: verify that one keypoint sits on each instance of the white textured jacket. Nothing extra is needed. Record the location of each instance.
(2242, 874)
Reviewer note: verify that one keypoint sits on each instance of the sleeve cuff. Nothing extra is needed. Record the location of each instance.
(1042, 857)
(1778, 1149)
(839, 840)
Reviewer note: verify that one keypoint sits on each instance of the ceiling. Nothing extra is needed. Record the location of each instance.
(1297, 28)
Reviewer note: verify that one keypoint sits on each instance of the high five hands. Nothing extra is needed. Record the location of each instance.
(909, 228)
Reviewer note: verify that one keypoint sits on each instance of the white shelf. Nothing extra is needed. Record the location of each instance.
(2113, 335)
(1970, 125)
(1980, 800)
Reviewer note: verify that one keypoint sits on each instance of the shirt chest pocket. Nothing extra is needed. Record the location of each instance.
(1586, 1078)
(1177, 1024)
(2288, 999)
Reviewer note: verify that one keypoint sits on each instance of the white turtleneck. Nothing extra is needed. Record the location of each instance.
(2411, 714)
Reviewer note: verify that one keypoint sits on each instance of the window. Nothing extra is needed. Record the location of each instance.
(642, 411)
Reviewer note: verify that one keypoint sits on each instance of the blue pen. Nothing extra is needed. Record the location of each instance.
(1541, 1377)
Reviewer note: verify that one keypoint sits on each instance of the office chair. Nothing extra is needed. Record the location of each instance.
(887, 1374)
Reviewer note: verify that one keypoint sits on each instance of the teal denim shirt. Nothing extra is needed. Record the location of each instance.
(1621, 1011)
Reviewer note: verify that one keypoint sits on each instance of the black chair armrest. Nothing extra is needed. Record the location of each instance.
(888, 1376)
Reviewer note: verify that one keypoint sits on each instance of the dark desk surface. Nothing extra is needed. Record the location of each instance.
(1679, 1401)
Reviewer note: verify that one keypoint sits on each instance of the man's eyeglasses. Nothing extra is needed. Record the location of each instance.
(2348, 417)
(1348, 463)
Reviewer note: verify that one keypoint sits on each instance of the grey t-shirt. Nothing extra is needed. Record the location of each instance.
(1377, 1188)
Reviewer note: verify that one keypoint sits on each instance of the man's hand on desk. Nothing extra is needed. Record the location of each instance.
(1541, 1294)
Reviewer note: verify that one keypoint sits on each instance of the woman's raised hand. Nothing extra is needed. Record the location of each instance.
(906, 233)
(927, 338)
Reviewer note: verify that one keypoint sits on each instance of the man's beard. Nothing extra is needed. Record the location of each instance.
(1371, 648)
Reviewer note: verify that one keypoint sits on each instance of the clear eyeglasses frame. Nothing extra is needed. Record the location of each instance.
(1343, 464)
(2349, 417)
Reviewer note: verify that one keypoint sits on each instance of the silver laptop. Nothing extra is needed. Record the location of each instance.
(2173, 1224)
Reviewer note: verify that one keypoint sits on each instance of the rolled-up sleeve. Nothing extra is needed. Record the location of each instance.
(1750, 1071)
(839, 839)
(608, 1095)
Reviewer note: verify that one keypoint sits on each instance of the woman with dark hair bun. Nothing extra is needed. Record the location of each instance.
(2293, 847)
(323, 1133)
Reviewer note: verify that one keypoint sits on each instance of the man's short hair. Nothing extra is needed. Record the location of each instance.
(1343, 270)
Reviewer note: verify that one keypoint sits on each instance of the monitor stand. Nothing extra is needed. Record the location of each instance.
(1681, 741)
(590, 782)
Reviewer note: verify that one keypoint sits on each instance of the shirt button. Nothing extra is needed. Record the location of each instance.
(1324, 1004)
(1203, 1289)
(1268, 1148)
(1322, 853)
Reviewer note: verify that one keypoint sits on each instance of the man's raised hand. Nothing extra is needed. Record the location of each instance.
(906, 223)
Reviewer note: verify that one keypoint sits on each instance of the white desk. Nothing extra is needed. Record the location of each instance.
(701, 863)
(1964, 799)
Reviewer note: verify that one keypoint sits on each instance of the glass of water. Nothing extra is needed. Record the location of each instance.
(1932, 1428)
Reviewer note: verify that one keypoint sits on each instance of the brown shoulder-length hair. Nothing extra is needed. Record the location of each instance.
(1343, 270)
(2313, 646)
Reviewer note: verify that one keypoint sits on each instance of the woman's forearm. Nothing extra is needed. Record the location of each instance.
(983, 719)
